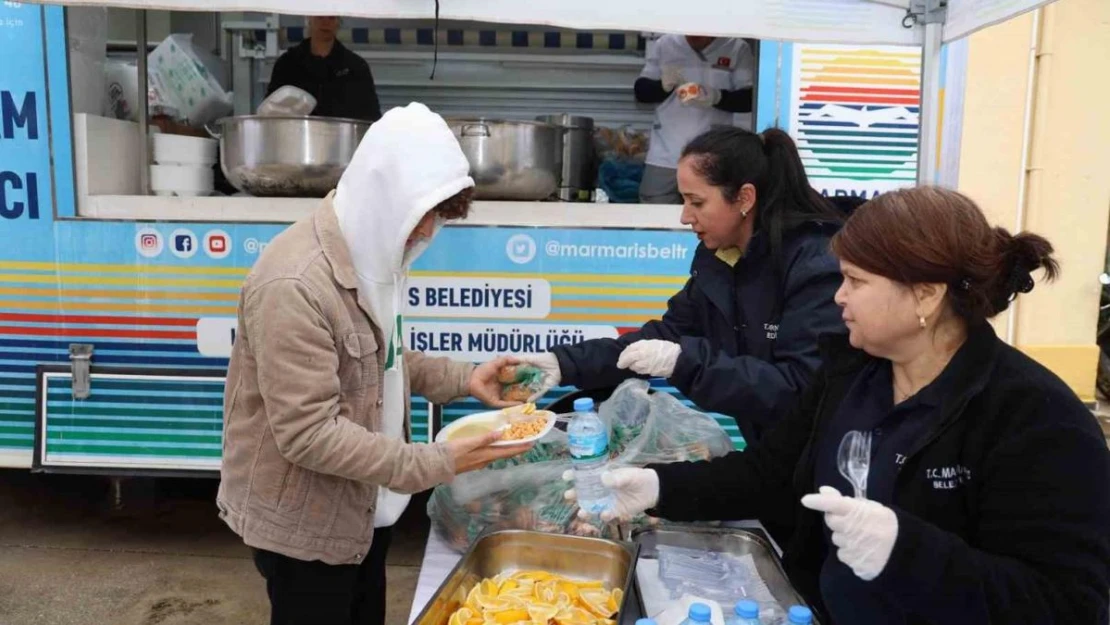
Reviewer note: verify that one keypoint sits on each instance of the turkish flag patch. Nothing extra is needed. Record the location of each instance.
(724, 61)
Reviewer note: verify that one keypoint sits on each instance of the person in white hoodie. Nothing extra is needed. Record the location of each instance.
(317, 461)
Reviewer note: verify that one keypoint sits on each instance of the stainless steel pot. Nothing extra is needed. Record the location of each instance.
(290, 156)
(579, 173)
(511, 160)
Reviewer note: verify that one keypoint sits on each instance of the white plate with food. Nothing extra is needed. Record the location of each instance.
(518, 425)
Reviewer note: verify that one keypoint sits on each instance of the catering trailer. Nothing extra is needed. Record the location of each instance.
(117, 308)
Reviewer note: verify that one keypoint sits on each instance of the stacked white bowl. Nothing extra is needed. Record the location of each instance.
(183, 165)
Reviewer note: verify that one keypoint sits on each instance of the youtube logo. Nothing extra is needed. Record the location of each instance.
(217, 244)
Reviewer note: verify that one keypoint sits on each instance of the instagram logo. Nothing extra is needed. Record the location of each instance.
(148, 242)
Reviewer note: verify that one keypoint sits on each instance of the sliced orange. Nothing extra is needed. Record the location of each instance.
(472, 599)
(574, 616)
(518, 594)
(542, 614)
(569, 587)
(546, 592)
(615, 599)
(461, 616)
(601, 603)
(515, 602)
(489, 588)
(564, 601)
(506, 617)
(536, 576)
(493, 605)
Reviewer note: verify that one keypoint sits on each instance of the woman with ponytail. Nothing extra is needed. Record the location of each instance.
(741, 337)
(984, 495)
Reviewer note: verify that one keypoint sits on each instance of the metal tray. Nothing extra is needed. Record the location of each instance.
(724, 540)
(575, 557)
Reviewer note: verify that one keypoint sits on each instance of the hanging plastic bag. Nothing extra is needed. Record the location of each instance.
(190, 79)
(526, 492)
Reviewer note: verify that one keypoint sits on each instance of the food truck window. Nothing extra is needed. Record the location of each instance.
(481, 70)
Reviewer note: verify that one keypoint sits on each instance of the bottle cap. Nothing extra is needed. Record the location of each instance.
(700, 612)
(800, 615)
(747, 609)
(583, 404)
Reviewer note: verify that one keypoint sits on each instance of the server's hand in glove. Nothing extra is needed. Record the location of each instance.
(693, 94)
(672, 77)
(633, 491)
(650, 357)
(863, 531)
(549, 365)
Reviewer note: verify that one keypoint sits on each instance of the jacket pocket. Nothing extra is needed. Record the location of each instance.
(324, 500)
(358, 368)
(294, 490)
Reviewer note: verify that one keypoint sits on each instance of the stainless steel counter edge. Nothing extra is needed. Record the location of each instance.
(288, 210)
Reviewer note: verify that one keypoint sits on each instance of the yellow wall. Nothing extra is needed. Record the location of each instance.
(1067, 178)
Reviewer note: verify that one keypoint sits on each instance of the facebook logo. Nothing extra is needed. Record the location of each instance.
(184, 243)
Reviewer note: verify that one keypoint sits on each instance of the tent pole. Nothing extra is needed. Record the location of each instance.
(929, 116)
(143, 112)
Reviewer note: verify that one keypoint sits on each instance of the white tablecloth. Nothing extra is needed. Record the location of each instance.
(439, 559)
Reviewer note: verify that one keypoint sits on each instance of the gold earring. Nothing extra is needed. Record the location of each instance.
(921, 322)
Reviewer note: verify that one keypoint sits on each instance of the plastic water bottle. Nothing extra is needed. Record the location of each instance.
(746, 612)
(699, 613)
(589, 451)
(799, 615)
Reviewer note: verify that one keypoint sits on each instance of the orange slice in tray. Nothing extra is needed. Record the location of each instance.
(575, 616)
(462, 616)
(537, 598)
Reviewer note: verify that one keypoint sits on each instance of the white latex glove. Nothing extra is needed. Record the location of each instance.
(650, 357)
(549, 365)
(672, 77)
(633, 491)
(863, 531)
(693, 94)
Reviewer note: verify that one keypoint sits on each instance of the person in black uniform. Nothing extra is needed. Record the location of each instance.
(339, 79)
(987, 492)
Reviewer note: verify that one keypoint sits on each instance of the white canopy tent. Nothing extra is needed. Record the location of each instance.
(928, 23)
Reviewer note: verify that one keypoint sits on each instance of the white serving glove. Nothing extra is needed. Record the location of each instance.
(863, 531)
(650, 357)
(672, 77)
(693, 94)
(633, 491)
(549, 365)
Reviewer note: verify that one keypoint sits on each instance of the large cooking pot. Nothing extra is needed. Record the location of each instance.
(579, 173)
(287, 156)
(511, 160)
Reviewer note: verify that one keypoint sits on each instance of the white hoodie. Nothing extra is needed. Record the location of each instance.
(407, 163)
